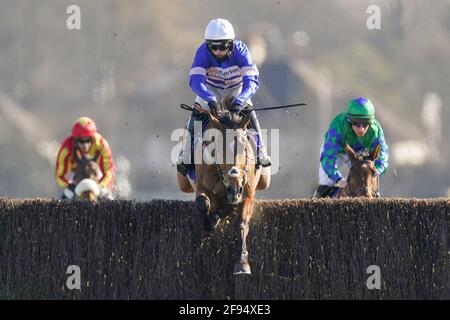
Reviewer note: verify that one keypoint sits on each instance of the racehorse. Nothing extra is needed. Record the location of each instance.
(228, 177)
(86, 177)
(362, 180)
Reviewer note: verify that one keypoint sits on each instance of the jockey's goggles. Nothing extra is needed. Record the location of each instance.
(359, 123)
(84, 140)
(218, 45)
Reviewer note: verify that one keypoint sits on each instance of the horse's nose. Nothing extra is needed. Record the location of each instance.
(366, 191)
(234, 193)
(235, 189)
(232, 190)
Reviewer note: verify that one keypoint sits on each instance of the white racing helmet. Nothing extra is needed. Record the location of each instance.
(219, 29)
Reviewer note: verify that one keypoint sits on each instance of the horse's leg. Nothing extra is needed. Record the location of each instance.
(214, 216)
(184, 184)
(241, 265)
(264, 179)
(203, 204)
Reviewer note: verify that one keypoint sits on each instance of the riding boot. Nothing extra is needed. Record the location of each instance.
(324, 191)
(263, 158)
(184, 164)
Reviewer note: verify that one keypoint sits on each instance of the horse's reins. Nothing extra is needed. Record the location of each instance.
(220, 172)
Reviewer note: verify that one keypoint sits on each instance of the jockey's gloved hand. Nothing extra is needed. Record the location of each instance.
(342, 183)
(214, 107)
(236, 107)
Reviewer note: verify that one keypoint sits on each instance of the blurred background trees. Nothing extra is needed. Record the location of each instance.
(128, 69)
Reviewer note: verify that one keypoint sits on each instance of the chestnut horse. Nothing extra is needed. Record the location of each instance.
(86, 177)
(361, 180)
(227, 177)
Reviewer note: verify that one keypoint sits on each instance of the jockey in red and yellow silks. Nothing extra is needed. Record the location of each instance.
(92, 145)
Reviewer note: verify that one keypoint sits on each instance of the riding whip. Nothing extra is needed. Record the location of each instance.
(188, 108)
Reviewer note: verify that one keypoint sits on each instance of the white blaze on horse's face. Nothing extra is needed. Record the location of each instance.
(233, 172)
(234, 184)
(236, 142)
(235, 177)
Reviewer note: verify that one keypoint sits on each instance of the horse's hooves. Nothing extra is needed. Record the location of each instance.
(210, 223)
(215, 220)
(242, 268)
(203, 204)
(208, 226)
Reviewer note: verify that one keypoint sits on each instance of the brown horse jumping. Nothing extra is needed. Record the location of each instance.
(228, 177)
(86, 177)
(362, 180)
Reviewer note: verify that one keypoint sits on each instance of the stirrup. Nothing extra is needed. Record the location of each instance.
(324, 191)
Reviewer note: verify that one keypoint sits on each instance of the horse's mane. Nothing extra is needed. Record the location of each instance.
(227, 118)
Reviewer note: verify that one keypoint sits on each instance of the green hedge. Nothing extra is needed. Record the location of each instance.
(299, 249)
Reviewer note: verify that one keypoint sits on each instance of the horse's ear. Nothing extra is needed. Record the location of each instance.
(375, 153)
(244, 122)
(215, 122)
(350, 152)
(78, 154)
(211, 117)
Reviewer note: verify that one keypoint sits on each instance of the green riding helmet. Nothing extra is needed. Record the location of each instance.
(360, 108)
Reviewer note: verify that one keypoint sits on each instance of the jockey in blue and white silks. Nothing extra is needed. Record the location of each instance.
(222, 67)
(237, 74)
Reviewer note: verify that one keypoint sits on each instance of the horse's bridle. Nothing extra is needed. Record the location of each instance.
(349, 190)
(221, 172)
(84, 158)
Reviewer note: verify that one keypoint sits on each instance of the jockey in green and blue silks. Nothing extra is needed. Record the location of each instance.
(222, 67)
(358, 128)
